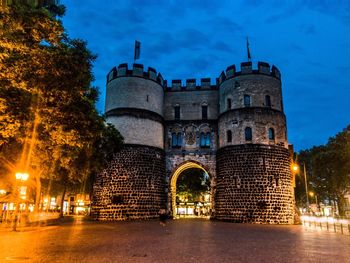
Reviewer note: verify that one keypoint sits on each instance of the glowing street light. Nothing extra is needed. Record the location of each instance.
(295, 168)
(2, 192)
(22, 176)
(21, 192)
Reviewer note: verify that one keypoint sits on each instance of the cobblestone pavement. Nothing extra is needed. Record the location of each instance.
(185, 240)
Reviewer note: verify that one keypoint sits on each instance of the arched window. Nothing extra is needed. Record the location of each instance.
(173, 140)
(248, 134)
(229, 136)
(207, 139)
(267, 101)
(202, 139)
(179, 139)
(246, 101)
(271, 134)
(229, 104)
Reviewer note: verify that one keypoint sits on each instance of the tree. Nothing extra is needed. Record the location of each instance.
(49, 124)
(192, 184)
(328, 168)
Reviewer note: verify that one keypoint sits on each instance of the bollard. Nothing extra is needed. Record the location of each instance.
(321, 225)
(335, 229)
(341, 227)
(327, 226)
(348, 229)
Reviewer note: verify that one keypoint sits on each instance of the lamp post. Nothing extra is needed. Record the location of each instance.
(21, 177)
(306, 191)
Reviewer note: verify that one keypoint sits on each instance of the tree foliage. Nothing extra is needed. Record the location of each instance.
(328, 170)
(48, 121)
(192, 184)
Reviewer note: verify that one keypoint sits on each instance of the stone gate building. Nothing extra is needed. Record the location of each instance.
(234, 130)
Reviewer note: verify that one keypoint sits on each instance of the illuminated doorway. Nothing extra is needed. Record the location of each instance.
(191, 192)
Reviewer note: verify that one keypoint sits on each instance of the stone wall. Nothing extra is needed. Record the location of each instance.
(134, 92)
(190, 103)
(260, 120)
(132, 186)
(257, 86)
(254, 185)
(139, 130)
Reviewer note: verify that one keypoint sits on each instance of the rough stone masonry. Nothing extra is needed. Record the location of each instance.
(234, 128)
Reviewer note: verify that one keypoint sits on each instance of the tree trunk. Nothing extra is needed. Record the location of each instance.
(37, 195)
(341, 203)
(62, 200)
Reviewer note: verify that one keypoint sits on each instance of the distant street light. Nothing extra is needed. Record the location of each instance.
(312, 194)
(22, 177)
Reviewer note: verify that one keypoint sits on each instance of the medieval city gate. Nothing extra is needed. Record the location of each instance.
(177, 171)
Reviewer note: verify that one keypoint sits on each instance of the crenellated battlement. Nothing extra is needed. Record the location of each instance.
(247, 68)
(191, 84)
(136, 71)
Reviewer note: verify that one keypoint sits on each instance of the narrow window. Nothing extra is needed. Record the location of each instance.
(179, 139)
(271, 134)
(204, 112)
(277, 181)
(267, 101)
(229, 104)
(173, 140)
(207, 139)
(229, 136)
(202, 139)
(246, 101)
(248, 134)
(147, 98)
(177, 112)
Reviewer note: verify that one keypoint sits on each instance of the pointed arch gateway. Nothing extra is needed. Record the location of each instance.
(175, 175)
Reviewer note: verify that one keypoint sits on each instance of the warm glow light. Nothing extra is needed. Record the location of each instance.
(311, 194)
(2, 192)
(295, 167)
(22, 176)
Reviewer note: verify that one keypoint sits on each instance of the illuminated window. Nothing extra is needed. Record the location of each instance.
(173, 140)
(229, 104)
(177, 112)
(271, 134)
(246, 101)
(267, 101)
(179, 139)
(248, 134)
(229, 136)
(205, 140)
(176, 140)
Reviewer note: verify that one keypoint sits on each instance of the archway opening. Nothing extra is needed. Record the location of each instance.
(191, 192)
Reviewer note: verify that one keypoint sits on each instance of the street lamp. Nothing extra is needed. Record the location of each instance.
(21, 177)
(312, 194)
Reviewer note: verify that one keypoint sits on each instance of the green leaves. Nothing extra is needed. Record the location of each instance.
(328, 168)
(47, 106)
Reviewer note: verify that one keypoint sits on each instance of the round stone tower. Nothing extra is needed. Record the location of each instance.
(133, 185)
(254, 182)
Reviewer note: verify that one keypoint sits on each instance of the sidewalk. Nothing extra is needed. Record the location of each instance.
(34, 221)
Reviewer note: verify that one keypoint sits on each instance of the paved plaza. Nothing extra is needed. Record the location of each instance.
(185, 240)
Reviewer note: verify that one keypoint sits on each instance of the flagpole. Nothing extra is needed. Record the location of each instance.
(248, 51)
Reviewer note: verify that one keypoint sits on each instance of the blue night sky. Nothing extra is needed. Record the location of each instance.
(307, 40)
